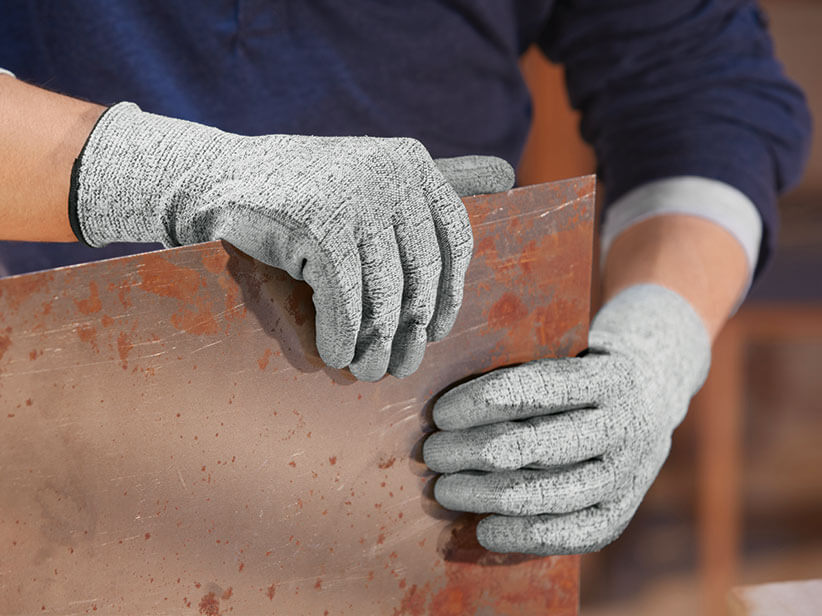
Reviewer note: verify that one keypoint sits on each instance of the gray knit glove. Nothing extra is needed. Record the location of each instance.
(565, 449)
(373, 225)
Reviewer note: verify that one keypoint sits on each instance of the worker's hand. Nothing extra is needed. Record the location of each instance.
(563, 450)
(373, 225)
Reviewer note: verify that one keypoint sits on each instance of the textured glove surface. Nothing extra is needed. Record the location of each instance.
(564, 450)
(373, 225)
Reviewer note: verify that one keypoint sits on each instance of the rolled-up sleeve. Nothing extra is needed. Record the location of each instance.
(683, 88)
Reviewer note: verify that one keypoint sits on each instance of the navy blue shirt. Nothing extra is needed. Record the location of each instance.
(685, 87)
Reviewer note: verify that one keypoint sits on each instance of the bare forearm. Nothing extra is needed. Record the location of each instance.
(692, 256)
(41, 133)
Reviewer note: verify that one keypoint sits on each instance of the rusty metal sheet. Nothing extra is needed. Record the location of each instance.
(172, 444)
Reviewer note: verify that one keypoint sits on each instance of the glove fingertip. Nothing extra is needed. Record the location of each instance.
(432, 454)
(488, 535)
(333, 360)
(501, 175)
(336, 351)
(446, 495)
(365, 373)
(448, 412)
(408, 350)
(477, 175)
(440, 327)
(511, 535)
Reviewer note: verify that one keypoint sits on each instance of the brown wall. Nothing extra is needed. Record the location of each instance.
(554, 150)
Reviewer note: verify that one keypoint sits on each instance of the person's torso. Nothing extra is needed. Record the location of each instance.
(444, 72)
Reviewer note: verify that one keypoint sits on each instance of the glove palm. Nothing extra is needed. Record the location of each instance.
(564, 450)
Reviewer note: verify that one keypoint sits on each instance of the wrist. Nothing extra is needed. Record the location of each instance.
(658, 327)
(41, 134)
(694, 257)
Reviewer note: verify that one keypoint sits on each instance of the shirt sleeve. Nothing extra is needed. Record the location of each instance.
(676, 88)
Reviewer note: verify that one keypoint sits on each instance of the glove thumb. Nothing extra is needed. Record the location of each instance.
(477, 175)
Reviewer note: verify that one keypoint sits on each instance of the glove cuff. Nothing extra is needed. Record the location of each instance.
(660, 327)
(133, 174)
(97, 216)
(74, 182)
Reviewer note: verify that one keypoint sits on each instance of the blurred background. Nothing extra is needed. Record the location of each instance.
(740, 499)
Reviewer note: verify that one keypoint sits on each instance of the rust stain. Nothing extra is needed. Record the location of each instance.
(199, 322)
(477, 580)
(123, 347)
(166, 279)
(227, 594)
(92, 304)
(485, 247)
(332, 460)
(161, 277)
(456, 601)
(210, 605)
(526, 261)
(5, 343)
(18, 288)
(271, 591)
(387, 463)
(88, 333)
(106, 321)
(263, 361)
(413, 602)
(559, 316)
(233, 298)
(507, 311)
(214, 260)
(123, 294)
(542, 586)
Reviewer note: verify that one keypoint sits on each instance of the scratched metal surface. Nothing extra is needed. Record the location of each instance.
(172, 444)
